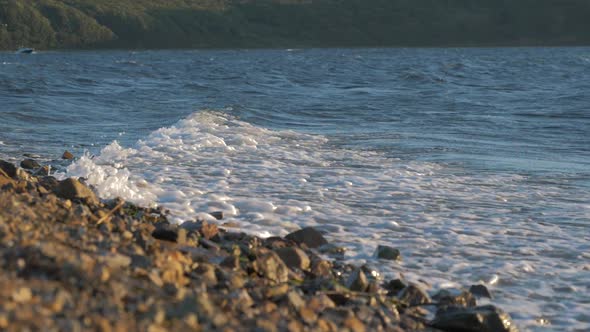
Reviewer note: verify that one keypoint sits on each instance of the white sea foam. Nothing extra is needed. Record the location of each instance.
(452, 229)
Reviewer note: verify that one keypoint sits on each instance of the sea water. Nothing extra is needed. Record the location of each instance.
(475, 163)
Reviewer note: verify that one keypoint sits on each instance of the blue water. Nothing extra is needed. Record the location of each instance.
(483, 118)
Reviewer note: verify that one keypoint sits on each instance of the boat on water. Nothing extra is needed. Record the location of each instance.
(25, 50)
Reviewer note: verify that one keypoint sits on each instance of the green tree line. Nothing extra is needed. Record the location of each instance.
(54, 24)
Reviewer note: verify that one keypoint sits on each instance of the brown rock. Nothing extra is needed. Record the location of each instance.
(67, 155)
(308, 236)
(270, 266)
(354, 324)
(74, 190)
(208, 230)
(294, 258)
(357, 281)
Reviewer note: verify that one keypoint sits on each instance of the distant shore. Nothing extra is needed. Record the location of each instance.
(72, 261)
(198, 24)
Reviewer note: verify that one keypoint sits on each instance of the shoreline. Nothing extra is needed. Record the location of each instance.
(74, 262)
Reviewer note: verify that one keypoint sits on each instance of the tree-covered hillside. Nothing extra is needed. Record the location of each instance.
(290, 23)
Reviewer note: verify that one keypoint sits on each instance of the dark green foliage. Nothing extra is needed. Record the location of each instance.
(290, 23)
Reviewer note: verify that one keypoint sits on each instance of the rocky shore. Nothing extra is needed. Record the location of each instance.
(72, 262)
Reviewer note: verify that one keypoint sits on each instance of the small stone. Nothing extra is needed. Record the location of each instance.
(22, 295)
(294, 258)
(388, 253)
(322, 268)
(43, 171)
(478, 319)
(295, 300)
(354, 324)
(74, 189)
(480, 291)
(308, 315)
(413, 295)
(67, 155)
(394, 286)
(127, 235)
(308, 236)
(166, 232)
(8, 168)
(217, 215)
(207, 272)
(29, 164)
(357, 281)
(270, 266)
(453, 297)
(277, 291)
(208, 230)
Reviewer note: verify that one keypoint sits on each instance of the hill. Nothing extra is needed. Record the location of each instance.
(51, 24)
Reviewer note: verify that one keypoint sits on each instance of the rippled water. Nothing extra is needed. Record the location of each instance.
(474, 162)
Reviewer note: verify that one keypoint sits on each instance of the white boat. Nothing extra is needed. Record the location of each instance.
(25, 50)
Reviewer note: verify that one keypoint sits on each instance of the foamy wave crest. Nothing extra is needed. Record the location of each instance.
(108, 174)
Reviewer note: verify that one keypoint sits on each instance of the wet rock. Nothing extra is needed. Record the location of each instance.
(388, 253)
(74, 190)
(166, 232)
(322, 269)
(480, 291)
(308, 236)
(208, 230)
(394, 286)
(49, 182)
(270, 266)
(43, 171)
(357, 281)
(4, 179)
(29, 164)
(412, 295)
(67, 155)
(354, 324)
(8, 168)
(294, 258)
(217, 215)
(478, 319)
(453, 297)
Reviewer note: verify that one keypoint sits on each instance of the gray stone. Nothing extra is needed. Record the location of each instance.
(357, 281)
(166, 232)
(308, 236)
(29, 164)
(478, 319)
(454, 297)
(388, 253)
(413, 295)
(295, 258)
(74, 190)
(8, 168)
(480, 291)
